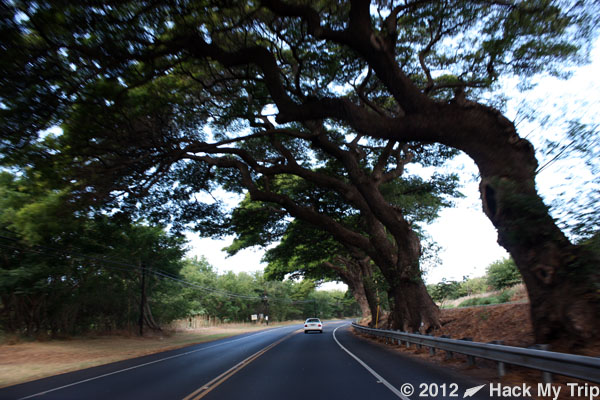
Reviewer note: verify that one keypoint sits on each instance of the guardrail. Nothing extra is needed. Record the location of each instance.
(581, 367)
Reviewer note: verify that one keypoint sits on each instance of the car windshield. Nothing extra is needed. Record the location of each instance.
(313, 320)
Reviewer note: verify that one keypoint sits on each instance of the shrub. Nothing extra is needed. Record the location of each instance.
(472, 286)
(502, 274)
(503, 297)
(444, 290)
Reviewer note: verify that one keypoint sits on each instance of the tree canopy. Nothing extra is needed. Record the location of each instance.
(157, 100)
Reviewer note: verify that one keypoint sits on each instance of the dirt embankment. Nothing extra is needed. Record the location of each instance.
(508, 323)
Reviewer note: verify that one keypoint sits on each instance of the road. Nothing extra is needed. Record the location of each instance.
(279, 363)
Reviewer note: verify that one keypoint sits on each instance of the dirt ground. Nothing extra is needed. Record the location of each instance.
(509, 323)
(489, 323)
(23, 361)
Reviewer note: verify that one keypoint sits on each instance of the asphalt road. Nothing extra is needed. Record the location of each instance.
(279, 363)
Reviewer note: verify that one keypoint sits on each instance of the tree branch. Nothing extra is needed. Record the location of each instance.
(337, 230)
(400, 163)
(382, 161)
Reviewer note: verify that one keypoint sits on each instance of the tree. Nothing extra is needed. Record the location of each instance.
(303, 250)
(59, 264)
(202, 274)
(414, 71)
(358, 216)
(444, 290)
(312, 253)
(502, 274)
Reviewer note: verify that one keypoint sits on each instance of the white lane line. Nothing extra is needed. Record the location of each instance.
(375, 374)
(145, 364)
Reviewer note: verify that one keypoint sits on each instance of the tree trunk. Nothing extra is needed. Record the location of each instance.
(369, 288)
(562, 279)
(142, 300)
(357, 273)
(360, 296)
(366, 268)
(149, 318)
(413, 310)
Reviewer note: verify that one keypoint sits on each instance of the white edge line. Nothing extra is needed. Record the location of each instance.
(143, 365)
(375, 374)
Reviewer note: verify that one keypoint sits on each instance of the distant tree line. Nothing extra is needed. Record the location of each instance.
(234, 297)
(65, 272)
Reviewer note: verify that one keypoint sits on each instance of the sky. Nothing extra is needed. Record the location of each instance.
(465, 234)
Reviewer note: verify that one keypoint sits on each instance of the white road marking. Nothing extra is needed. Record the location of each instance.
(145, 364)
(375, 374)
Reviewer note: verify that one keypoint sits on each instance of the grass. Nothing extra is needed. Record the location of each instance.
(23, 360)
(502, 297)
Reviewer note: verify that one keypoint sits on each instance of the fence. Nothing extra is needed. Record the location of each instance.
(581, 367)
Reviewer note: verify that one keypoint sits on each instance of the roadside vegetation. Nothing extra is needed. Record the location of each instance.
(64, 273)
(499, 285)
(126, 124)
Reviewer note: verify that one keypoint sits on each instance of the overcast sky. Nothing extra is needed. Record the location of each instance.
(467, 237)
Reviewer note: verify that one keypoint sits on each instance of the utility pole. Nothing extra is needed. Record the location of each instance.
(142, 299)
(266, 306)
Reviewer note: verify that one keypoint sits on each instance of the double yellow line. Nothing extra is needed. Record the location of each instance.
(205, 389)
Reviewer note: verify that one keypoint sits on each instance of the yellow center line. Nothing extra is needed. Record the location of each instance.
(205, 389)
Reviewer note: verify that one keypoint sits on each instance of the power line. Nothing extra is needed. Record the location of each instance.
(44, 250)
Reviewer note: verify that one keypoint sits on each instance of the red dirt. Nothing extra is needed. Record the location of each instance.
(488, 323)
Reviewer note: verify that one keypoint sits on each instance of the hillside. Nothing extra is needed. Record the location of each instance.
(507, 322)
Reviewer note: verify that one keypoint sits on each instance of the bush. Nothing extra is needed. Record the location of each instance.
(444, 290)
(473, 286)
(503, 274)
(500, 298)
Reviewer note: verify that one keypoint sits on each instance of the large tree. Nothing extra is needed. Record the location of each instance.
(58, 264)
(317, 251)
(405, 71)
(282, 174)
(303, 251)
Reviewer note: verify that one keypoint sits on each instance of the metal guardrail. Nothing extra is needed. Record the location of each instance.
(575, 366)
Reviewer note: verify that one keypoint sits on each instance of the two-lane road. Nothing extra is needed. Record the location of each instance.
(279, 363)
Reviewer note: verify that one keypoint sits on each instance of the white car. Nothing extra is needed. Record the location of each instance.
(313, 324)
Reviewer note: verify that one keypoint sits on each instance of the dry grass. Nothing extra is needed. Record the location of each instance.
(520, 294)
(23, 361)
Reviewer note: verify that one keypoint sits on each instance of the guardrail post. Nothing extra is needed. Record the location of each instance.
(398, 341)
(470, 359)
(419, 345)
(501, 365)
(546, 376)
(431, 348)
(449, 354)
